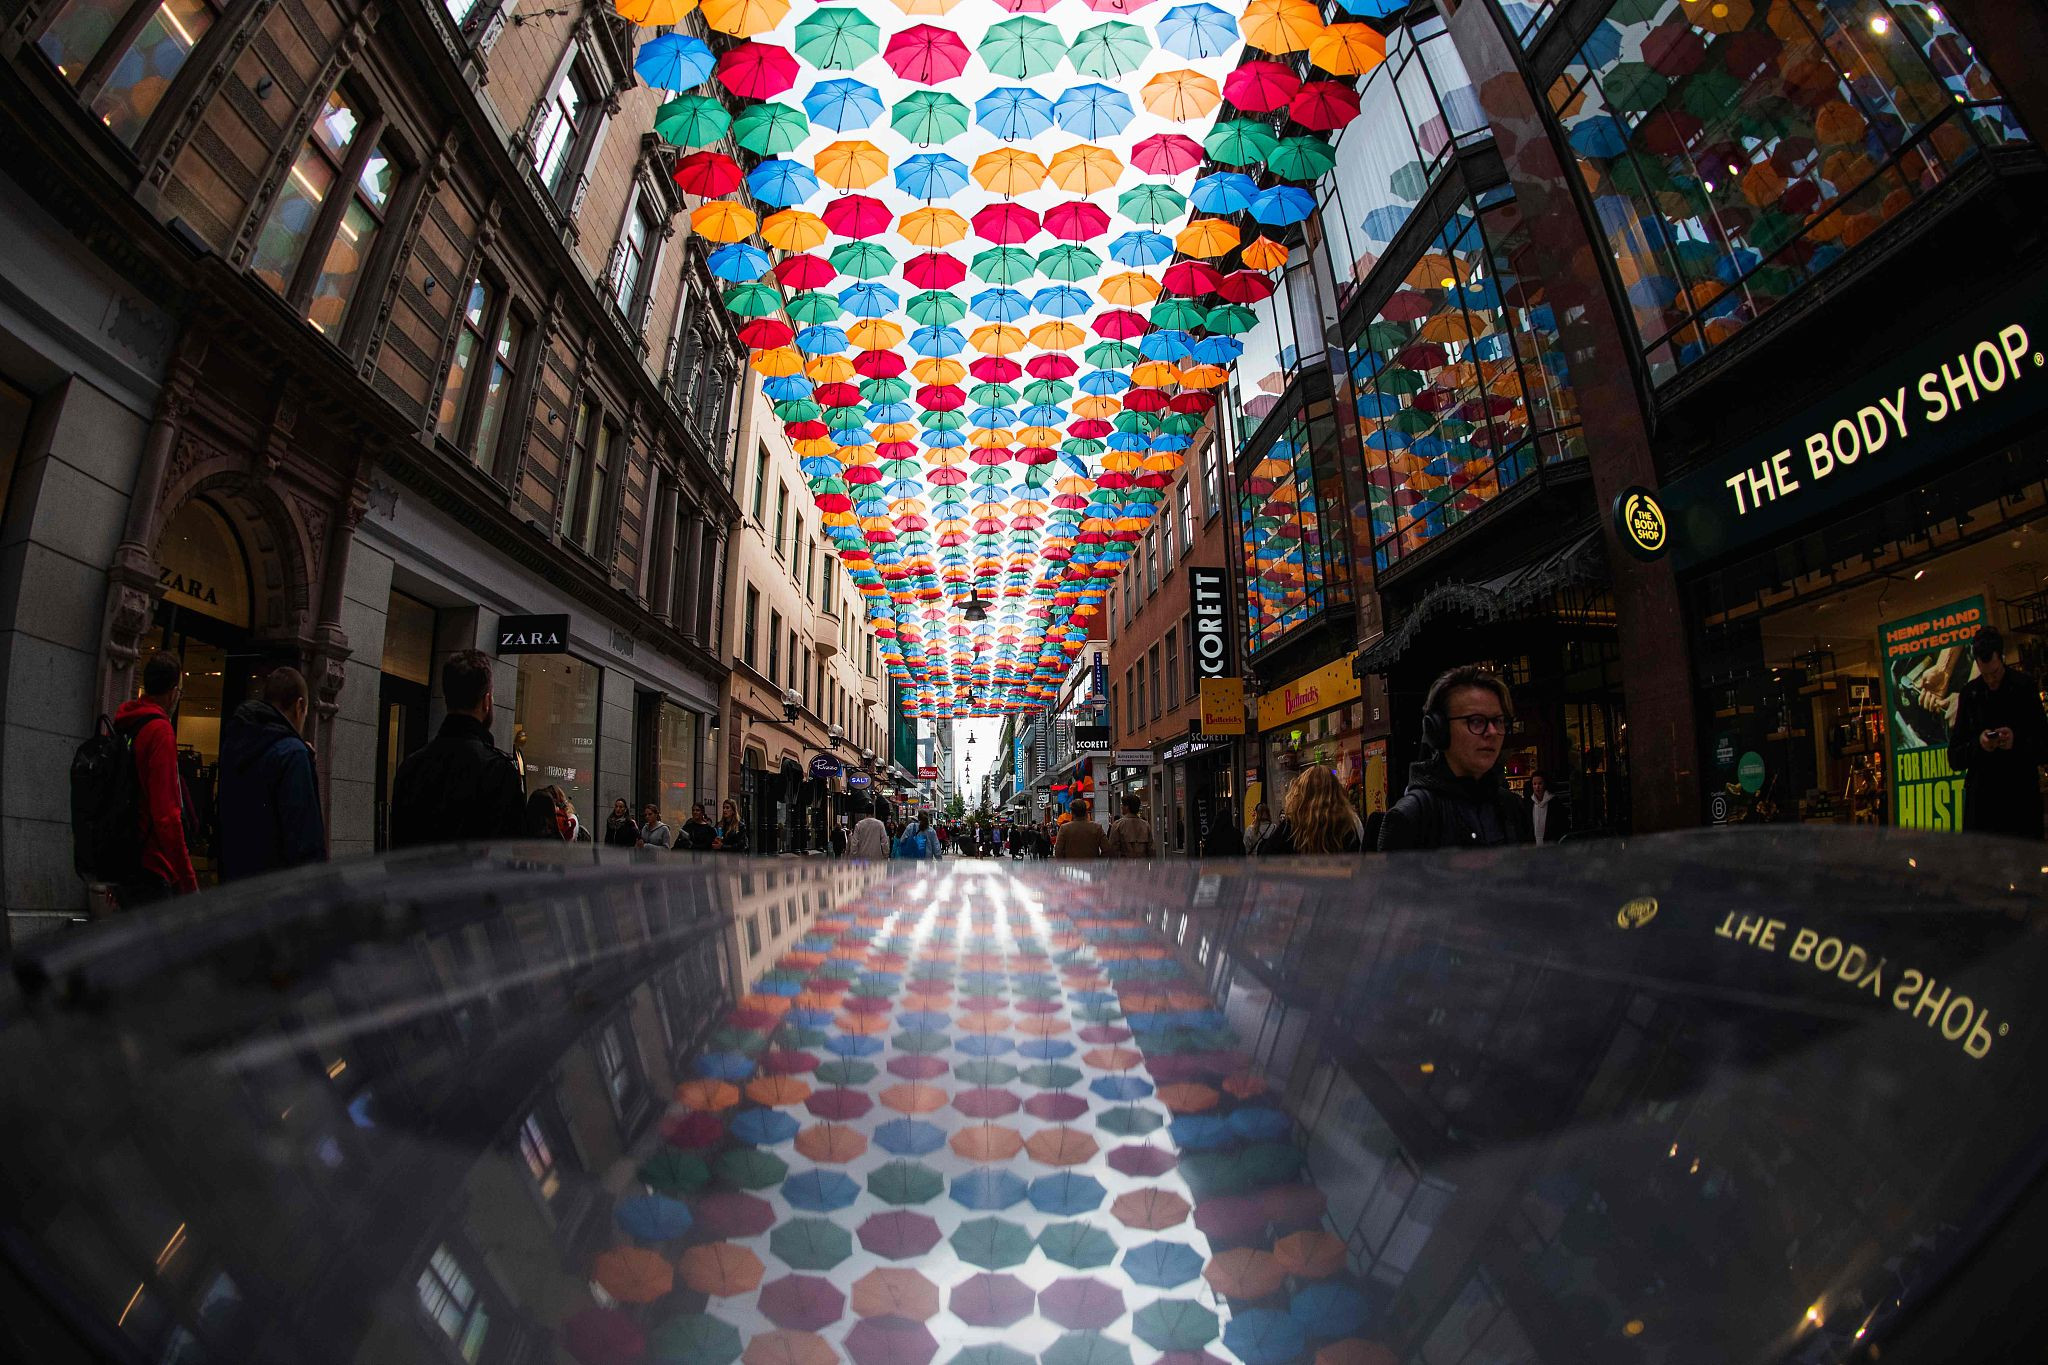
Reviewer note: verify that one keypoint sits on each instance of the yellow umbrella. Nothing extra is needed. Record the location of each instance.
(1280, 26)
(815, 445)
(1207, 237)
(1348, 49)
(782, 360)
(851, 165)
(723, 221)
(1086, 169)
(1155, 374)
(931, 228)
(1449, 328)
(1009, 171)
(1057, 336)
(1203, 376)
(996, 338)
(902, 431)
(1182, 96)
(744, 18)
(1039, 436)
(1103, 407)
(932, 370)
(1263, 253)
(827, 369)
(991, 438)
(1129, 288)
(875, 334)
(793, 230)
(654, 13)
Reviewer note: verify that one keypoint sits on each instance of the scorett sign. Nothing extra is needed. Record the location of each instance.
(1971, 381)
(1208, 596)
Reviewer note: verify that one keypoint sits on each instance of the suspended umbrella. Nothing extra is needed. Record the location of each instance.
(991, 1300)
(1348, 49)
(1281, 205)
(1181, 96)
(1302, 158)
(1281, 26)
(606, 1336)
(654, 13)
(1197, 31)
(633, 1274)
(1322, 106)
(691, 120)
(1070, 261)
(1022, 48)
(926, 54)
(928, 116)
(1076, 221)
(744, 18)
(852, 165)
(1094, 111)
(1141, 248)
(931, 175)
(722, 221)
(843, 103)
(1240, 142)
(1207, 237)
(1109, 50)
(721, 1269)
(859, 216)
(782, 1347)
(838, 38)
(673, 61)
(738, 261)
(770, 129)
(1166, 154)
(1151, 203)
(707, 175)
(1260, 87)
(757, 71)
(1162, 1265)
(1080, 1245)
(782, 183)
(1086, 1348)
(1009, 171)
(1085, 169)
(1175, 1325)
(1012, 112)
(810, 1243)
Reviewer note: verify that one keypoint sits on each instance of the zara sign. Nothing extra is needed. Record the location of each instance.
(547, 634)
(1210, 600)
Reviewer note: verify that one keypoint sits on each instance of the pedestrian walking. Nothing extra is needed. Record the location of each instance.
(1548, 819)
(1315, 818)
(1080, 837)
(459, 785)
(1456, 797)
(1261, 826)
(913, 843)
(164, 868)
(870, 837)
(1999, 742)
(654, 831)
(1130, 834)
(269, 799)
(620, 830)
(697, 832)
(1225, 839)
(840, 838)
(730, 836)
(545, 817)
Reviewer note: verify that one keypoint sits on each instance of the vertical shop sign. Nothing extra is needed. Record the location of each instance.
(1926, 662)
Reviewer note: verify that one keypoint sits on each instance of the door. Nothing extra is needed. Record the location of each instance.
(401, 728)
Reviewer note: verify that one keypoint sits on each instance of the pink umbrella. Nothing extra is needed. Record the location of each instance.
(993, 369)
(1076, 221)
(693, 1131)
(987, 1103)
(1103, 1033)
(1190, 278)
(1121, 324)
(890, 1341)
(1166, 154)
(899, 1236)
(604, 1336)
(1321, 106)
(1081, 1303)
(1006, 224)
(757, 71)
(1056, 1106)
(991, 1300)
(926, 54)
(1027, 6)
(784, 1063)
(1140, 1160)
(1260, 87)
(858, 215)
(1116, 6)
(918, 1066)
(839, 1104)
(802, 1303)
(1053, 366)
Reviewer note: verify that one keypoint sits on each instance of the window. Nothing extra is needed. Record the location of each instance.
(774, 920)
(121, 56)
(781, 517)
(792, 656)
(486, 315)
(775, 646)
(1212, 500)
(561, 132)
(1153, 656)
(460, 10)
(1172, 668)
(753, 935)
(630, 276)
(753, 622)
(540, 1157)
(1141, 717)
(1194, 675)
(830, 565)
(584, 492)
(760, 483)
(615, 1057)
(1151, 561)
(315, 243)
(1116, 703)
(810, 565)
(1187, 518)
(1166, 542)
(451, 1300)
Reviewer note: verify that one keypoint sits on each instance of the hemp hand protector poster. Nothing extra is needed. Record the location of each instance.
(1926, 662)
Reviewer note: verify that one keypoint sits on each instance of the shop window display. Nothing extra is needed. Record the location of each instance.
(1293, 568)
(555, 730)
(1735, 151)
(675, 763)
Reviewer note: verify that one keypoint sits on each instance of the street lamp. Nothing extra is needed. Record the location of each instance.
(837, 736)
(792, 702)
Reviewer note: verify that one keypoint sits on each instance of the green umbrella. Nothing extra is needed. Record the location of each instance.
(991, 1243)
(814, 306)
(694, 1339)
(810, 1243)
(1003, 265)
(1231, 319)
(736, 1040)
(995, 395)
(1085, 1348)
(674, 1172)
(986, 1071)
(1110, 50)
(756, 300)
(1387, 336)
(798, 410)
(1635, 12)
(904, 1182)
(1110, 355)
(1301, 158)
(1710, 93)
(990, 1354)
(1210, 1173)
(1635, 86)
(862, 260)
(921, 1040)
(1070, 261)
(1175, 1325)
(935, 307)
(840, 39)
(1079, 1245)
(750, 1168)
(1411, 421)
(795, 1036)
(1151, 203)
(1182, 423)
(1023, 47)
(770, 129)
(955, 420)
(873, 989)
(1397, 379)
(1270, 1163)
(692, 120)
(928, 116)
(1047, 391)
(1410, 181)
(1052, 1075)
(1104, 1014)
(1240, 142)
(1178, 314)
(1128, 1120)
(887, 389)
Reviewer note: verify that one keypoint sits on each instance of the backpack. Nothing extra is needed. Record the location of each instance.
(106, 805)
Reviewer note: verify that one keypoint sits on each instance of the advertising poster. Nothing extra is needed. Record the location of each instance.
(1926, 662)
(1375, 775)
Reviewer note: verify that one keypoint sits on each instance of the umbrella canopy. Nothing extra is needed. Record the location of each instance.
(810, 1243)
(893, 1291)
(805, 1303)
(899, 1236)
(820, 1191)
(606, 1336)
(1162, 1265)
(1080, 1245)
(990, 1300)
(1081, 1303)
(890, 1341)
(720, 1269)
(991, 1243)
(904, 1182)
(653, 1217)
(909, 1137)
(695, 1339)
(633, 1274)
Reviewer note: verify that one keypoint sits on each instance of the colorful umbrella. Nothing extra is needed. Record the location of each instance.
(926, 54)
(757, 71)
(928, 116)
(837, 37)
(810, 1243)
(1197, 31)
(805, 1303)
(843, 103)
(991, 1300)
(695, 1339)
(633, 1274)
(894, 1291)
(674, 61)
(1081, 1303)
(1109, 50)
(1162, 1265)
(721, 1269)
(899, 1236)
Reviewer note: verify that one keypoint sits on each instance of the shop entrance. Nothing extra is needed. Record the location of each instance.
(402, 695)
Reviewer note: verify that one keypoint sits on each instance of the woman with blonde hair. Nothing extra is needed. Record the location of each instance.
(1315, 818)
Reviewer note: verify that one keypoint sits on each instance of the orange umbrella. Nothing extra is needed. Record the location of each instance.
(1188, 1098)
(914, 1098)
(721, 1268)
(1085, 169)
(829, 369)
(1280, 26)
(708, 1095)
(654, 13)
(1113, 1058)
(867, 1024)
(744, 18)
(1056, 336)
(996, 338)
(722, 220)
(1313, 1255)
(1263, 253)
(1151, 1210)
(1245, 1273)
(1128, 289)
(987, 1142)
(633, 1274)
(777, 1091)
(1181, 96)
(789, 1348)
(1009, 171)
(893, 1292)
(1244, 1085)
(1155, 374)
(1044, 1026)
(834, 1142)
(1203, 376)
(921, 7)
(794, 230)
(875, 334)
(851, 165)
(1348, 49)
(1207, 237)
(1061, 1146)
(777, 361)
(936, 370)
(931, 227)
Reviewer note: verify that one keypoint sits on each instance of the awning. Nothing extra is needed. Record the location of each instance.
(1500, 598)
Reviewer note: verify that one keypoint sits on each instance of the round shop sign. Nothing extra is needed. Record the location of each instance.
(1749, 772)
(1639, 521)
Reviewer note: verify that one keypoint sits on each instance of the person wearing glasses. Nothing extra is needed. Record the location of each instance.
(1455, 796)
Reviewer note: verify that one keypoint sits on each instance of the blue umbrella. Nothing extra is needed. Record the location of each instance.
(1141, 248)
(1383, 222)
(1062, 301)
(1120, 1087)
(1094, 111)
(869, 300)
(782, 182)
(909, 1137)
(987, 1188)
(1223, 192)
(931, 175)
(1216, 351)
(938, 341)
(890, 412)
(1067, 1193)
(725, 1066)
(1162, 1265)
(1011, 112)
(820, 1191)
(763, 1127)
(674, 61)
(1280, 205)
(931, 1019)
(779, 389)
(1265, 1336)
(983, 1044)
(653, 1217)
(1199, 1132)
(1000, 305)
(1329, 1310)
(993, 417)
(1166, 345)
(1599, 136)
(821, 339)
(1261, 1124)
(738, 261)
(1043, 415)
(1097, 382)
(854, 1044)
(843, 103)
(1197, 31)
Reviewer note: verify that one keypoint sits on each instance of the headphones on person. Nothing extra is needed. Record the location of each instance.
(1436, 722)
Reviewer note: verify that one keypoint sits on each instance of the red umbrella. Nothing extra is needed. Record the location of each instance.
(935, 270)
(1090, 428)
(693, 1131)
(1245, 286)
(890, 1341)
(708, 174)
(757, 71)
(1150, 1209)
(729, 1214)
(1260, 87)
(837, 396)
(1136, 1159)
(766, 333)
(605, 1336)
(1081, 1303)
(777, 1062)
(1407, 306)
(990, 1300)
(1053, 366)
(857, 215)
(899, 1236)
(992, 369)
(926, 54)
(803, 1303)
(1190, 278)
(1006, 224)
(867, 1004)
(878, 364)
(1036, 455)
(1145, 400)
(839, 1104)
(1076, 220)
(811, 431)
(1321, 106)
(1192, 401)
(986, 1103)
(1121, 324)
(804, 272)
(1674, 50)
(1232, 1219)
(939, 398)
(917, 1067)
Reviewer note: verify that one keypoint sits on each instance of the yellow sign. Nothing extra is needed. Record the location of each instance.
(1223, 706)
(1639, 518)
(1637, 912)
(1331, 685)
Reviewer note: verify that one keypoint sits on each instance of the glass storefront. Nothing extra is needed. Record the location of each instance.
(555, 731)
(675, 763)
(1295, 562)
(403, 693)
(1334, 739)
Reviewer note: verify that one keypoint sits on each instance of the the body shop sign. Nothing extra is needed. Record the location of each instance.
(1973, 381)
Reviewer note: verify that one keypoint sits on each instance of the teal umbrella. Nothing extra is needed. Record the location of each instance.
(1023, 47)
(771, 129)
(988, 1072)
(1151, 203)
(813, 306)
(674, 1172)
(1052, 1076)
(694, 1339)
(991, 1243)
(692, 121)
(1086, 1348)
(1109, 50)
(750, 1168)
(1301, 158)
(862, 260)
(1129, 1121)
(1004, 265)
(811, 1243)
(1240, 142)
(1070, 261)
(1175, 1325)
(757, 300)
(1080, 1245)
(929, 116)
(838, 38)
(904, 1182)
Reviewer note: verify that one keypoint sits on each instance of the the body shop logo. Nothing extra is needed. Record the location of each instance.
(1639, 521)
(1637, 912)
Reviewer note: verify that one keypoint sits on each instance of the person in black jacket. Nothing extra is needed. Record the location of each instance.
(1225, 839)
(1455, 796)
(697, 832)
(460, 785)
(1315, 818)
(1999, 742)
(269, 800)
(620, 831)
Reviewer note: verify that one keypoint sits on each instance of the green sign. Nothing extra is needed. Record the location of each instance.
(1926, 662)
(1750, 772)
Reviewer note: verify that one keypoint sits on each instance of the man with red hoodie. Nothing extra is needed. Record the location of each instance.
(166, 864)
